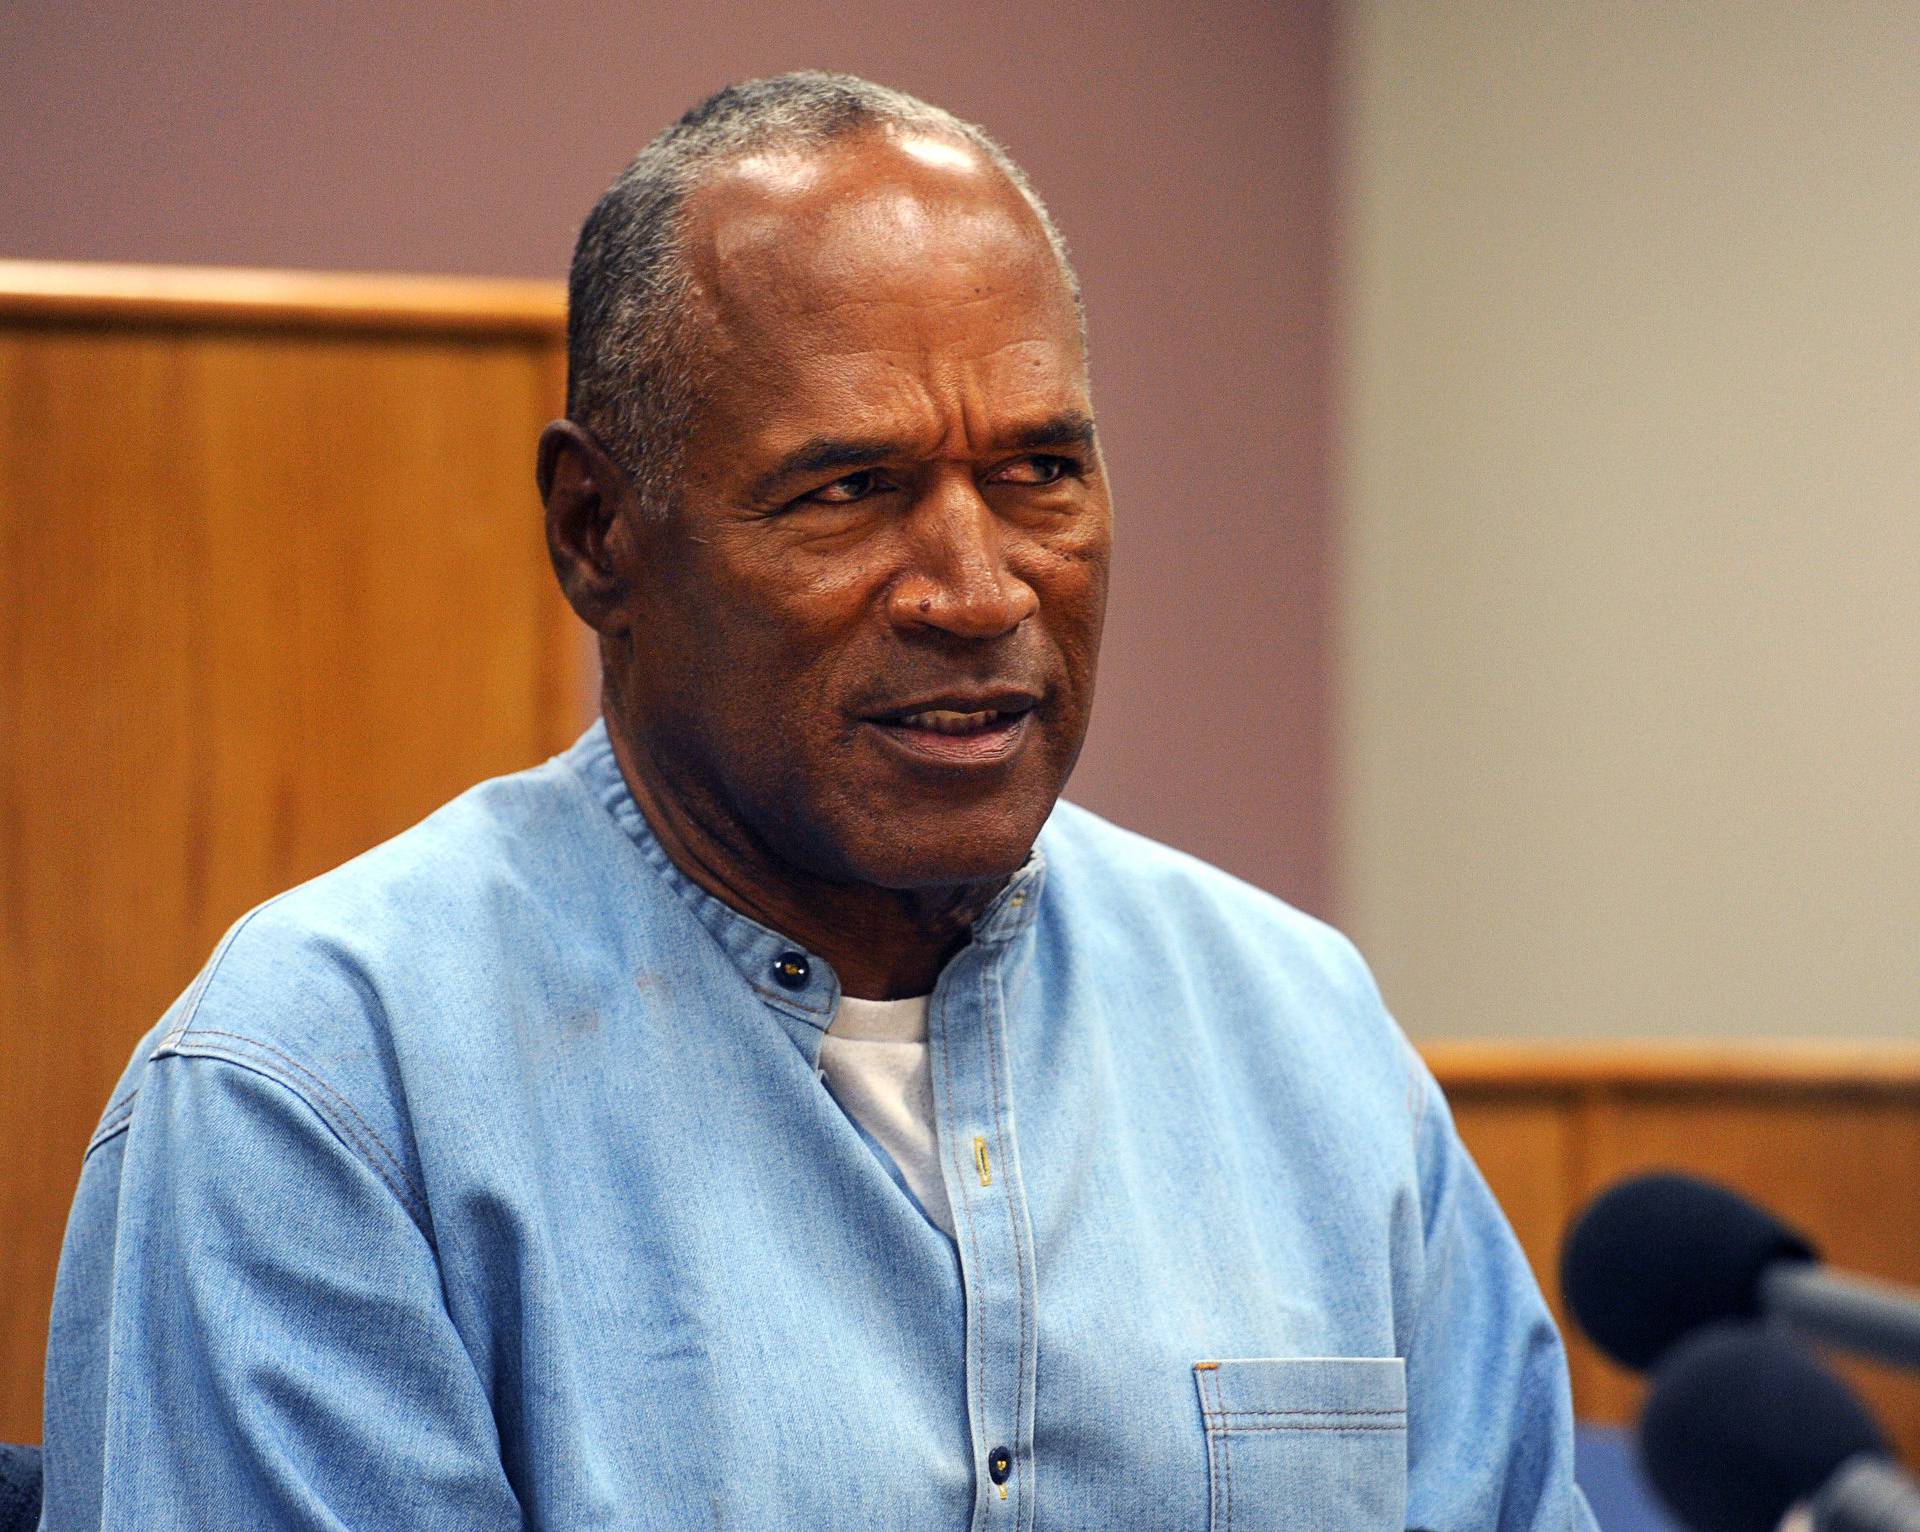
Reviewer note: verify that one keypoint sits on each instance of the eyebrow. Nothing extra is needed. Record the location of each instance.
(1070, 428)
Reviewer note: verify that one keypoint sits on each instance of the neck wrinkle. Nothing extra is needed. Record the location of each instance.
(884, 944)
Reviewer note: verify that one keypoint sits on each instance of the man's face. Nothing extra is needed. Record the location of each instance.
(865, 642)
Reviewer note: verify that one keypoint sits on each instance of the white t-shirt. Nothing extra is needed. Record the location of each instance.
(874, 1060)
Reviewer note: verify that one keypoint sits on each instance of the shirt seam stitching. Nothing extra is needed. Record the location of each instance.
(1354, 1430)
(116, 1122)
(964, 1210)
(1010, 1162)
(119, 1116)
(1324, 1414)
(197, 993)
(332, 1109)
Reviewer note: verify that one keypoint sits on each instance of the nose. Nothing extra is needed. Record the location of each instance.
(957, 579)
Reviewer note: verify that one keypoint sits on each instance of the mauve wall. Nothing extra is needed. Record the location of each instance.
(1185, 149)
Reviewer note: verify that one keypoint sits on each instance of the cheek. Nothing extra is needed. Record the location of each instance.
(804, 612)
(1073, 597)
(779, 669)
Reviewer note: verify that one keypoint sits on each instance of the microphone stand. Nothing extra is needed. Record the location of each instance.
(1857, 1314)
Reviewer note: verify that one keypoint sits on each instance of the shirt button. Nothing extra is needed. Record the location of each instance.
(790, 970)
(999, 1465)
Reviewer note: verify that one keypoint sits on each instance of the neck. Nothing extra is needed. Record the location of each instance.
(883, 943)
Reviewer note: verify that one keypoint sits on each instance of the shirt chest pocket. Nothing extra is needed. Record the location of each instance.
(1312, 1444)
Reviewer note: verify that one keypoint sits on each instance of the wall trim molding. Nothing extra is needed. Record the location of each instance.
(1660, 1065)
(86, 292)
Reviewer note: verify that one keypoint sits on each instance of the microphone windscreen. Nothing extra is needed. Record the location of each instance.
(1658, 1256)
(1741, 1424)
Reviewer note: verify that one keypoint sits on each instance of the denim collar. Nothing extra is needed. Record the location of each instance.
(757, 950)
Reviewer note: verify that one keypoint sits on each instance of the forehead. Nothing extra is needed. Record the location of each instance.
(875, 267)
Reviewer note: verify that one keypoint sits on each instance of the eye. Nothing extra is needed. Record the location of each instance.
(1038, 471)
(848, 488)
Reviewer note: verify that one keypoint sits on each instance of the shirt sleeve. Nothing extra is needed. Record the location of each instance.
(249, 1329)
(1490, 1414)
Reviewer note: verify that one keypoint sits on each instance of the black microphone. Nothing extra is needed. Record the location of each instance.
(1741, 1426)
(1656, 1257)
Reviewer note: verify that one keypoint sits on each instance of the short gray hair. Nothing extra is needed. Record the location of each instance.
(632, 356)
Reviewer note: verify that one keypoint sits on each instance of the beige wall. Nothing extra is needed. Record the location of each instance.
(1631, 596)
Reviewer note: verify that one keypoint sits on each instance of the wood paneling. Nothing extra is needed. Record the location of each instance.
(1777, 1066)
(274, 586)
(1827, 1137)
(42, 292)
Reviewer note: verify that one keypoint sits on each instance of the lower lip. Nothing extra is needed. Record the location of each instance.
(984, 747)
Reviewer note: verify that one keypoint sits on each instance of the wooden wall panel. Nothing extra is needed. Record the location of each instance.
(274, 586)
(1829, 1139)
(1843, 1166)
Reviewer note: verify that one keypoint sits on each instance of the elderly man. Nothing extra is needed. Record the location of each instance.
(779, 1111)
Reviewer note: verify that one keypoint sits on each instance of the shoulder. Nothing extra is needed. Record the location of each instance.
(1262, 979)
(415, 914)
(512, 838)
(399, 970)
(1152, 891)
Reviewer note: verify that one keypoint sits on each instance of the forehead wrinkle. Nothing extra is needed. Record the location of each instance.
(927, 381)
(953, 418)
(844, 332)
(895, 406)
(847, 304)
(828, 306)
(857, 366)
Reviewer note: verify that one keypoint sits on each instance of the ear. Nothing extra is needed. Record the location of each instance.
(588, 498)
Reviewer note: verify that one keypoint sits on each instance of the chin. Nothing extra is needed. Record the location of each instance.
(942, 850)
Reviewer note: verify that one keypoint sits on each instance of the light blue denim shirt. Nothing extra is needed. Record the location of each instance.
(489, 1181)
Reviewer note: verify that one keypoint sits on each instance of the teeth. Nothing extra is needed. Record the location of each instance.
(945, 721)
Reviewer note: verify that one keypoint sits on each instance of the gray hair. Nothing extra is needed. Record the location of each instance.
(632, 353)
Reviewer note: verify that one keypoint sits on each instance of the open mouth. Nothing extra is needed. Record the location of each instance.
(957, 735)
(947, 721)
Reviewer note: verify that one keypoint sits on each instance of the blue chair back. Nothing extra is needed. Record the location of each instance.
(19, 1488)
